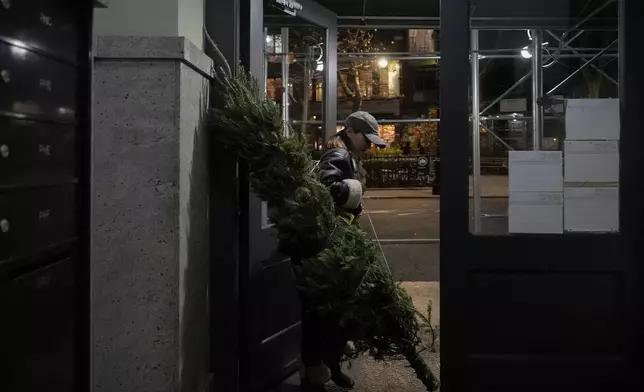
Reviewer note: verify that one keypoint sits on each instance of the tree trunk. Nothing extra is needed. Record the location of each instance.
(343, 84)
(421, 369)
(593, 83)
(354, 84)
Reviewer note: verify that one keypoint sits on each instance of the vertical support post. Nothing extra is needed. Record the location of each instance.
(286, 93)
(537, 89)
(454, 202)
(307, 90)
(266, 59)
(329, 104)
(476, 137)
(222, 21)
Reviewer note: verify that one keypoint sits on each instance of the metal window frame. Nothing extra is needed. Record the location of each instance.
(314, 13)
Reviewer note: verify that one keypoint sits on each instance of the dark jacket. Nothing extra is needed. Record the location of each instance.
(337, 165)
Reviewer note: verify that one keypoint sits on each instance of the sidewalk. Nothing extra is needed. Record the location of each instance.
(491, 186)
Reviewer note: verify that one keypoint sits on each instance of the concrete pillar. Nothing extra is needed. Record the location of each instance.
(150, 253)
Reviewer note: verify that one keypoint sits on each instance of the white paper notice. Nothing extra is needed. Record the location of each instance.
(536, 171)
(536, 212)
(591, 161)
(592, 119)
(591, 209)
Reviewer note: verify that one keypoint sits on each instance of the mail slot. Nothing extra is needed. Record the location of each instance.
(49, 25)
(35, 153)
(31, 84)
(34, 219)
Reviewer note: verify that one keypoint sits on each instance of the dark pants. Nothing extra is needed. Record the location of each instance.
(322, 343)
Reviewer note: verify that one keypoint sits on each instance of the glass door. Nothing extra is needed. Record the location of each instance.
(296, 42)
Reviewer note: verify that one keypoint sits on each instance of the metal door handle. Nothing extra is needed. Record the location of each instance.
(5, 75)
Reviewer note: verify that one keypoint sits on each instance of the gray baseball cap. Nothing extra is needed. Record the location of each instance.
(365, 123)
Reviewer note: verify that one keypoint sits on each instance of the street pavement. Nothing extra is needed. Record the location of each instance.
(419, 219)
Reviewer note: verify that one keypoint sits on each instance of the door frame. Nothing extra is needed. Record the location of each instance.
(463, 254)
(239, 242)
(320, 16)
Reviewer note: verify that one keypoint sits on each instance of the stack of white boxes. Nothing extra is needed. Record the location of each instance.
(536, 192)
(591, 175)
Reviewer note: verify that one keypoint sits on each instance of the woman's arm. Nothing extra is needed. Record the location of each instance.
(336, 172)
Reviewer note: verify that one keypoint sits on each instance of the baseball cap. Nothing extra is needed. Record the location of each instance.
(366, 124)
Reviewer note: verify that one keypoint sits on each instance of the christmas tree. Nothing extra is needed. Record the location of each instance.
(343, 277)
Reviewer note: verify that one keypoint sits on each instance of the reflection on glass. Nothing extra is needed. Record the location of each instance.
(555, 91)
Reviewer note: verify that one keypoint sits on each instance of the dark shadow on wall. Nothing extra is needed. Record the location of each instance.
(194, 373)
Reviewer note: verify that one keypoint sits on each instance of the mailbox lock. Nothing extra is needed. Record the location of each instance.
(4, 225)
(5, 75)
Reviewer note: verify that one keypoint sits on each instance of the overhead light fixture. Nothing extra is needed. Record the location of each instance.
(382, 63)
(525, 53)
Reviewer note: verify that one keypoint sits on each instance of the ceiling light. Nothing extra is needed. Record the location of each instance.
(525, 53)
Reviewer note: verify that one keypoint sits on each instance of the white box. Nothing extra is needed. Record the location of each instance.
(592, 119)
(588, 209)
(536, 212)
(591, 161)
(536, 171)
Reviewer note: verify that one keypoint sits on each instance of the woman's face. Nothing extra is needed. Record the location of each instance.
(359, 142)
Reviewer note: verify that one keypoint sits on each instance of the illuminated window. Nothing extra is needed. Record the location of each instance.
(421, 41)
(387, 132)
(318, 92)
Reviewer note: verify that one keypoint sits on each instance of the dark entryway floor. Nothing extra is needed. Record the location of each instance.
(374, 376)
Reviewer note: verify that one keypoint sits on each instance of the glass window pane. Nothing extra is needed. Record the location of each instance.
(544, 154)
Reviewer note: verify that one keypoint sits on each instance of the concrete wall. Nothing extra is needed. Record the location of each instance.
(152, 18)
(150, 253)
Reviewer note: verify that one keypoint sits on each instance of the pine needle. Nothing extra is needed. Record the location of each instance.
(342, 277)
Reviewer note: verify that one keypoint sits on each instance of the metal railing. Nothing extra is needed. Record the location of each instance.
(400, 171)
(417, 171)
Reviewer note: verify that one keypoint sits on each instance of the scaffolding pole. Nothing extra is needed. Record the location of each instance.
(307, 90)
(285, 83)
(265, 60)
(575, 51)
(502, 117)
(586, 64)
(507, 92)
(366, 57)
(537, 89)
(476, 130)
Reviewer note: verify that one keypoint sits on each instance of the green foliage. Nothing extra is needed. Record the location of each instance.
(389, 151)
(343, 278)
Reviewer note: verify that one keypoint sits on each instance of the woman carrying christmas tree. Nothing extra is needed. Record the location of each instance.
(340, 169)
